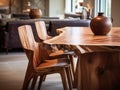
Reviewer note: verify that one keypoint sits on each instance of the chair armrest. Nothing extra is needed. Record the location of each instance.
(61, 54)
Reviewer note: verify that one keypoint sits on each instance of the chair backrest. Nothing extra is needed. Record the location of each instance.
(41, 30)
(30, 46)
(26, 37)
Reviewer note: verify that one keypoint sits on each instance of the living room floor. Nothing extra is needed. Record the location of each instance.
(12, 71)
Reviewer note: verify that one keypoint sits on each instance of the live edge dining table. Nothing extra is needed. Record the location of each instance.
(98, 65)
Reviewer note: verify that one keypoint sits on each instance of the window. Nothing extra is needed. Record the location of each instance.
(100, 6)
(103, 6)
(72, 5)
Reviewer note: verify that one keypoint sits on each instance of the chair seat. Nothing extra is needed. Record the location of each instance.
(58, 52)
(49, 37)
(50, 64)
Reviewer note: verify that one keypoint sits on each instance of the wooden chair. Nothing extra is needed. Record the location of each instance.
(42, 34)
(38, 65)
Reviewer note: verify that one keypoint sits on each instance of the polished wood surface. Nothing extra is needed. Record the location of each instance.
(84, 36)
(98, 57)
(99, 71)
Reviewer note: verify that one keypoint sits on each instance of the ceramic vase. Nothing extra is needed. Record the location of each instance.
(100, 25)
(35, 13)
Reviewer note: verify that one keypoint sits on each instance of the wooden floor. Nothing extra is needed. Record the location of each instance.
(12, 72)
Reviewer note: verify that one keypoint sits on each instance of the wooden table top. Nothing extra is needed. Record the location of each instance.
(82, 40)
(84, 36)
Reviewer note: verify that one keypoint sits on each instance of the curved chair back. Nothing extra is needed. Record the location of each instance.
(41, 30)
(30, 46)
(26, 37)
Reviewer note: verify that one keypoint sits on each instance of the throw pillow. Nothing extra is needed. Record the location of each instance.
(0, 16)
(6, 15)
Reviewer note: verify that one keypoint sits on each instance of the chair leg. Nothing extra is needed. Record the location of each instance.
(72, 67)
(72, 74)
(72, 63)
(42, 78)
(34, 82)
(26, 82)
(64, 81)
(69, 77)
(76, 76)
(28, 77)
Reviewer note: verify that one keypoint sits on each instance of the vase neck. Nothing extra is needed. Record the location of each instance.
(100, 14)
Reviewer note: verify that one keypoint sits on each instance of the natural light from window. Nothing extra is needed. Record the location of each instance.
(103, 6)
(73, 6)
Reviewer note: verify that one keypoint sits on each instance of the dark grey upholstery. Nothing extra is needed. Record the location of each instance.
(55, 24)
(9, 36)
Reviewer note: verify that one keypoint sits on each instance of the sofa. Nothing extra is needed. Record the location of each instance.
(10, 38)
(55, 24)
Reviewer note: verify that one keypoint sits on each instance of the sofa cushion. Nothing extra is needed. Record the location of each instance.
(3, 21)
(21, 15)
(0, 16)
(7, 16)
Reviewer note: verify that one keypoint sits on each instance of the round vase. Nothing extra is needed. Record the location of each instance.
(35, 13)
(100, 25)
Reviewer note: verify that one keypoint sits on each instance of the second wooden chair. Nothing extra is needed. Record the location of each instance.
(55, 53)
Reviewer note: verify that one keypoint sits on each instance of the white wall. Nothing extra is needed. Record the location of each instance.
(56, 8)
(67, 6)
(115, 12)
